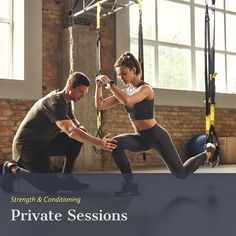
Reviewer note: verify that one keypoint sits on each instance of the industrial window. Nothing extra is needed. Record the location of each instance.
(174, 43)
(5, 38)
(20, 49)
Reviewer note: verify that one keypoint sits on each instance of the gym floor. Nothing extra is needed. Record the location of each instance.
(222, 168)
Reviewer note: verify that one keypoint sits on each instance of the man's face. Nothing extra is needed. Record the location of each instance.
(77, 93)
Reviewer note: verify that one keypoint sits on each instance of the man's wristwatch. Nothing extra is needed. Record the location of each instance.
(110, 84)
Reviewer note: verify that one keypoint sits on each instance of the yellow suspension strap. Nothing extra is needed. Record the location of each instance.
(99, 8)
(210, 75)
(99, 113)
(212, 93)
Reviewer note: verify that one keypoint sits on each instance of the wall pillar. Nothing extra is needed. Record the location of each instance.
(83, 58)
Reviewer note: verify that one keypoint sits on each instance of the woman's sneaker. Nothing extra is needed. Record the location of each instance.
(128, 189)
(71, 184)
(214, 150)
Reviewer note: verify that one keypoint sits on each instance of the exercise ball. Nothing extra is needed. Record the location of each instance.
(196, 145)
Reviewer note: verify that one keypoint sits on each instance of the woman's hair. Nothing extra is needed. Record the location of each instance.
(78, 78)
(127, 59)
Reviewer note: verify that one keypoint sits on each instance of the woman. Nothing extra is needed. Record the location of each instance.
(138, 100)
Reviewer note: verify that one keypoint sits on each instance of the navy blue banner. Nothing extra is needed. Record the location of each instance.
(40, 204)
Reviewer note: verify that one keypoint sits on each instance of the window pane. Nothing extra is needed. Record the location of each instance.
(202, 2)
(148, 20)
(149, 65)
(200, 29)
(149, 62)
(4, 8)
(134, 48)
(231, 74)
(230, 5)
(174, 22)
(199, 26)
(18, 43)
(133, 20)
(219, 31)
(200, 71)
(218, 3)
(231, 32)
(4, 50)
(174, 68)
(219, 69)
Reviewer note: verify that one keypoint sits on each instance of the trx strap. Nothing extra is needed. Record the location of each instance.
(140, 48)
(140, 39)
(210, 74)
(99, 113)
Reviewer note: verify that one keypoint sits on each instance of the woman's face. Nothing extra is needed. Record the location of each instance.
(125, 74)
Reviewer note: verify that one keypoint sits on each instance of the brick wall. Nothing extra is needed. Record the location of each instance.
(12, 113)
(108, 45)
(53, 23)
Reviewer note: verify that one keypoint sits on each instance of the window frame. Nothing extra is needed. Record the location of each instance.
(168, 96)
(9, 21)
(31, 86)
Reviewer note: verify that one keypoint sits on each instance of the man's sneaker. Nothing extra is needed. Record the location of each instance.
(215, 151)
(72, 184)
(128, 189)
(13, 167)
(6, 168)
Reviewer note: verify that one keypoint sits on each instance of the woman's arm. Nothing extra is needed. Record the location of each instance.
(143, 92)
(100, 102)
(140, 94)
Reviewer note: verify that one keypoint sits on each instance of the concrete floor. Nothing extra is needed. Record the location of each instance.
(226, 168)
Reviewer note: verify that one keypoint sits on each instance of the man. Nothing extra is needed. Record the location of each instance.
(50, 128)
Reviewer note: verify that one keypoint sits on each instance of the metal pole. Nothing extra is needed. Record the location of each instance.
(89, 8)
(117, 9)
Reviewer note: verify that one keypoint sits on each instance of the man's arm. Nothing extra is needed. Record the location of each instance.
(73, 132)
(75, 122)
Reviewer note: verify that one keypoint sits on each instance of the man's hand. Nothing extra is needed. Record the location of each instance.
(108, 144)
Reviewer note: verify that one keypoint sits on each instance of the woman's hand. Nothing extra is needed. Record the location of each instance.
(98, 82)
(102, 80)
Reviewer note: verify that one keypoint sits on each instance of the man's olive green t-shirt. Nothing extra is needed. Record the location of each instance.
(38, 127)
